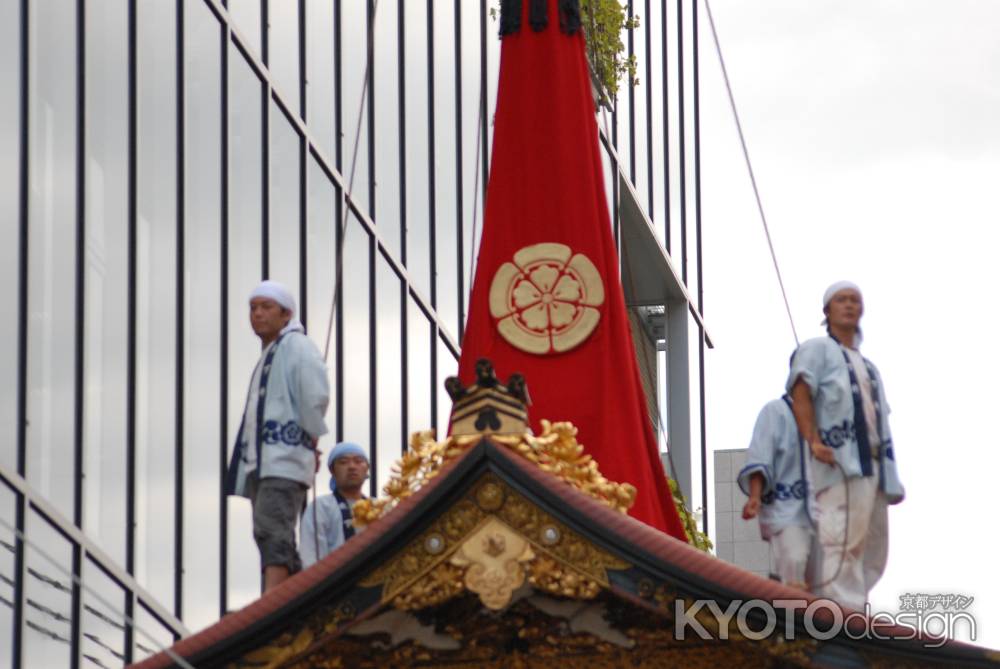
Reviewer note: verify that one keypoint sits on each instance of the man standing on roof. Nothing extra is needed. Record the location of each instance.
(776, 480)
(328, 521)
(840, 408)
(275, 456)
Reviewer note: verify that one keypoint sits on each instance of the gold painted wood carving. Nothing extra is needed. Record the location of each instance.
(555, 450)
(547, 299)
(493, 558)
(490, 543)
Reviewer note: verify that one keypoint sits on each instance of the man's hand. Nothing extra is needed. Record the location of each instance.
(316, 453)
(751, 508)
(822, 452)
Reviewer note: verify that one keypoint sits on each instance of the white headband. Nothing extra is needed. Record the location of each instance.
(836, 288)
(273, 290)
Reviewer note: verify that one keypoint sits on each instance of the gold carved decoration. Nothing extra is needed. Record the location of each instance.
(493, 557)
(546, 300)
(555, 450)
(490, 542)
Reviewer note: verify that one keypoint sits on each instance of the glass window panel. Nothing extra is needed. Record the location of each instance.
(151, 636)
(156, 301)
(246, 18)
(106, 278)
(52, 254)
(283, 50)
(244, 251)
(416, 81)
(447, 366)
(102, 628)
(202, 249)
(354, 36)
(320, 43)
(418, 369)
(10, 183)
(356, 332)
(445, 167)
(8, 503)
(386, 137)
(320, 274)
(285, 224)
(47, 596)
(389, 370)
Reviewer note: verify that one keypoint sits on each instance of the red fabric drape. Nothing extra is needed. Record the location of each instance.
(547, 186)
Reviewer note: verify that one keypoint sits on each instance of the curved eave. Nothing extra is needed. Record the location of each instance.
(699, 575)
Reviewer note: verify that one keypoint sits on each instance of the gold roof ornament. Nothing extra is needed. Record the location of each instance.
(555, 451)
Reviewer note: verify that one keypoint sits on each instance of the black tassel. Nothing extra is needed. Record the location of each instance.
(510, 17)
(539, 15)
(569, 16)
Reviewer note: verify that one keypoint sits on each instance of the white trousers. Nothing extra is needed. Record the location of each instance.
(790, 554)
(850, 569)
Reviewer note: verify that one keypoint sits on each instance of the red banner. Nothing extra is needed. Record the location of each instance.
(547, 299)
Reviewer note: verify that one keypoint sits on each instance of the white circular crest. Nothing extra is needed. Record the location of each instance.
(546, 299)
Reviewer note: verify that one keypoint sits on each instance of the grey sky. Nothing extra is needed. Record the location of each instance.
(873, 130)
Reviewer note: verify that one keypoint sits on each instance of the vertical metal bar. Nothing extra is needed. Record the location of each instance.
(338, 229)
(265, 178)
(373, 409)
(179, 332)
(303, 175)
(682, 129)
(484, 127)
(401, 119)
(371, 114)
(698, 260)
(631, 99)
(78, 325)
(303, 232)
(649, 115)
(224, 34)
(130, 364)
(17, 649)
(404, 292)
(372, 367)
(432, 207)
(265, 31)
(303, 79)
(431, 158)
(665, 85)
(458, 172)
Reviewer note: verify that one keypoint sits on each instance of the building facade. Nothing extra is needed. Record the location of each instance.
(157, 159)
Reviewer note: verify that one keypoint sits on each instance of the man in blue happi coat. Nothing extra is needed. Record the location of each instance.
(776, 481)
(328, 521)
(275, 456)
(840, 408)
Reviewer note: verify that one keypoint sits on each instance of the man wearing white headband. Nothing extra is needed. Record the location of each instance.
(275, 456)
(328, 521)
(840, 408)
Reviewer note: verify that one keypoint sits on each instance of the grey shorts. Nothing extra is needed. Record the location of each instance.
(277, 504)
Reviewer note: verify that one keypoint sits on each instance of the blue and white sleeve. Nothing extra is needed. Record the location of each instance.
(761, 453)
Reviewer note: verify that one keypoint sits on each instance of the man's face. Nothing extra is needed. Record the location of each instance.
(350, 471)
(267, 317)
(845, 309)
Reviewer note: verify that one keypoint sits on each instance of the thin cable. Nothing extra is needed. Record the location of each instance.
(79, 583)
(475, 188)
(350, 185)
(753, 179)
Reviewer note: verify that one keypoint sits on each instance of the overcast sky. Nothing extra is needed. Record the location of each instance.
(874, 129)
